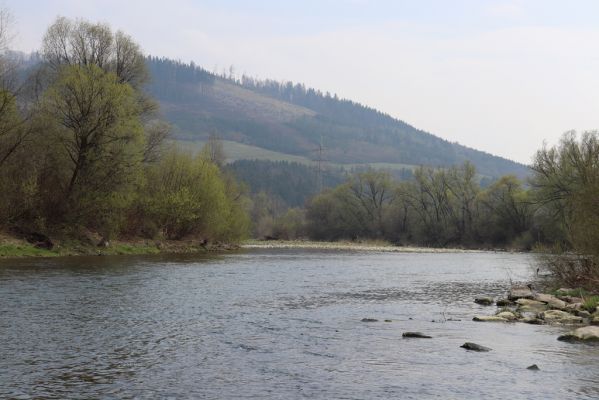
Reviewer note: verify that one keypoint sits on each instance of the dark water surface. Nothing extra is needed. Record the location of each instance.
(281, 324)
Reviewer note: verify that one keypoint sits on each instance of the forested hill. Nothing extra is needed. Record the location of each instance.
(293, 119)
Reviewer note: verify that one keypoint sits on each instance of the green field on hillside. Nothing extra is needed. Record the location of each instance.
(238, 151)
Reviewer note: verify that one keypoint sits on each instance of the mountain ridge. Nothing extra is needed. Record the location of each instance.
(292, 119)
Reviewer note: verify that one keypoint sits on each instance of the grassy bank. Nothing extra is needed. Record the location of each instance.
(11, 247)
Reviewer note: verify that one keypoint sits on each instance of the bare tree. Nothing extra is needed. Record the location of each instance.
(81, 42)
(12, 130)
(156, 133)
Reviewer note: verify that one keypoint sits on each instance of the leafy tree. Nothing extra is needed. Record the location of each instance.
(96, 134)
(184, 195)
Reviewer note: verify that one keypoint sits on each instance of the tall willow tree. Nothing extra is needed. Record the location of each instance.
(93, 109)
(96, 137)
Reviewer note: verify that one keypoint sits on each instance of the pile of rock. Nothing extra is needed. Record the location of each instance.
(525, 305)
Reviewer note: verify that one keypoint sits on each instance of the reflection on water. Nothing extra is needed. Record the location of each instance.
(275, 324)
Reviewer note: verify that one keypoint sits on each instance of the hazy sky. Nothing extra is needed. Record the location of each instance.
(499, 76)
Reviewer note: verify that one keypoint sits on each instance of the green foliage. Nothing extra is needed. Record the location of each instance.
(186, 195)
(96, 163)
(591, 303)
(24, 250)
(291, 225)
(95, 144)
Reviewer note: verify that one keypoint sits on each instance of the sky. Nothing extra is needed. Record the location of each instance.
(499, 76)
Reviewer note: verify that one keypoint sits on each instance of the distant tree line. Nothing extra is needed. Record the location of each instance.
(438, 207)
(82, 148)
(289, 182)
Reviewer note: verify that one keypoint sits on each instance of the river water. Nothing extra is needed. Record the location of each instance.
(281, 324)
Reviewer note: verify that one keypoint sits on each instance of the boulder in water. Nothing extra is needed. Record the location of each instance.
(369, 320)
(528, 305)
(561, 317)
(485, 301)
(532, 321)
(510, 316)
(523, 292)
(533, 367)
(551, 301)
(416, 335)
(489, 318)
(587, 333)
(529, 302)
(504, 303)
(474, 347)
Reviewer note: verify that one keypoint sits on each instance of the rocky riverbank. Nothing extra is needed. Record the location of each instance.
(376, 246)
(565, 307)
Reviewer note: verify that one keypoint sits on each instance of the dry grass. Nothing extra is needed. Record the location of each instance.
(572, 270)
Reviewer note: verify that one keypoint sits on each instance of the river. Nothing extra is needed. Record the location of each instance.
(281, 324)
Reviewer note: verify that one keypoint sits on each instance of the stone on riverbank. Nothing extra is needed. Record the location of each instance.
(562, 317)
(532, 321)
(489, 318)
(551, 301)
(484, 301)
(595, 319)
(570, 299)
(510, 316)
(528, 305)
(523, 292)
(573, 307)
(416, 335)
(474, 347)
(504, 303)
(529, 302)
(582, 313)
(587, 333)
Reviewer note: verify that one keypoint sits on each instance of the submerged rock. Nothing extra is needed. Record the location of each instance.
(523, 292)
(416, 335)
(370, 320)
(489, 318)
(561, 317)
(587, 333)
(474, 347)
(533, 367)
(485, 301)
